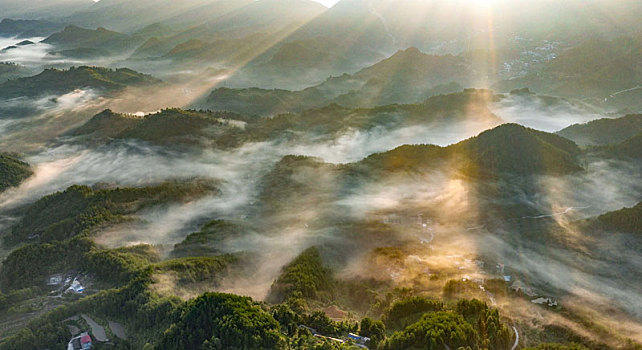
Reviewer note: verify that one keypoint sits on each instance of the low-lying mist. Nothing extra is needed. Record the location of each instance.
(428, 227)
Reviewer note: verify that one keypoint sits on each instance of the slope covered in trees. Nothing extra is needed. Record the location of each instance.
(28, 28)
(63, 215)
(209, 240)
(55, 81)
(507, 149)
(73, 37)
(305, 277)
(596, 68)
(407, 77)
(214, 321)
(12, 171)
(168, 127)
(604, 131)
(57, 228)
(624, 220)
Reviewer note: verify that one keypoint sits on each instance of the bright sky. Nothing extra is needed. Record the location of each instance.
(328, 3)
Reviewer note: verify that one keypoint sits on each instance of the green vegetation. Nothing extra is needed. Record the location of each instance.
(193, 270)
(82, 53)
(61, 223)
(506, 149)
(434, 331)
(168, 127)
(31, 264)
(375, 330)
(76, 37)
(626, 150)
(605, 131)
(305, 277)
(57, 82)
(222, 321)
(407, 77)
(454, 289)
(11, 299)
(553, 346)
(12, 171)
(408, 311)
(79, 209)
(119, 266)
(624, 220)
(206, 242)
(11, 70)
(27, 28)
(470, 324)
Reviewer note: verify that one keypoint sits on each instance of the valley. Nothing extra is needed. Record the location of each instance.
(276, 174)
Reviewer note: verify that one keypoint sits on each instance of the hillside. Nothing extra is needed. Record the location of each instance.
(628, 149)
(506, 149)
(209, 240)
(131, 15)
(222, 128)
(56, 82)
(28, 28)
(332, 120)
(627, 220)
(81, 53)
(409, 76)
(10, 71)
(320, 174)
(229, 22)
(596, 68)
(12, 171)
(77, 210)
(604, 131)
(74, 37)
(168, 127)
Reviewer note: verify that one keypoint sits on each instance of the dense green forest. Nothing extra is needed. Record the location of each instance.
(167, 127)
(163, 295)
(55, 231)
(604, 131)
(221, 321)
(506, 149)
(79, 209)
(12, 171)
(624, 220)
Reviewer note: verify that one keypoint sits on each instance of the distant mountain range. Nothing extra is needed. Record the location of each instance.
(28, 28)
(408, 76)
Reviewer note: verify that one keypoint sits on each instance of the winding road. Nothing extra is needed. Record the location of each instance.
(516, 339)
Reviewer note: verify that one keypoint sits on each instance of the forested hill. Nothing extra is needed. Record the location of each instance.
(604, 131)
(170, 126)
(507, 149)
(74, 37)
(55, 81)
(28, 28)
(624, 220)
(12, 171)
